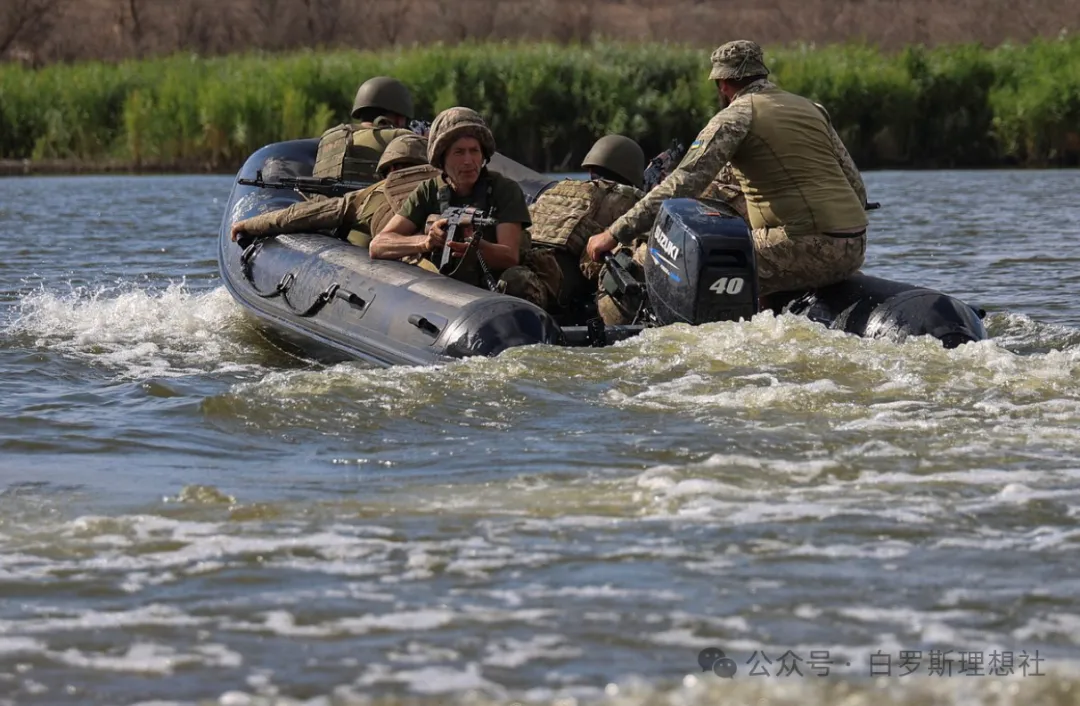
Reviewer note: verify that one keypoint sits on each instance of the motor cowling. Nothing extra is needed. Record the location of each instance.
(700, 265)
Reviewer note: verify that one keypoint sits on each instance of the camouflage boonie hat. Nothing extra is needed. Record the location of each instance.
(453, 124)
(738, 59)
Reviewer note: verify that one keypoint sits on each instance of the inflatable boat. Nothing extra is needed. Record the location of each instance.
(327, 299)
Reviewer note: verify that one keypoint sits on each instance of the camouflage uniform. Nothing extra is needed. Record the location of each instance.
(366, 211)
(786, 260)
(725, 187)
(563, 219)
(352, 151)
(492, 191)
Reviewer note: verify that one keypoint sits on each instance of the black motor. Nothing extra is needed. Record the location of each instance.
(700, 266)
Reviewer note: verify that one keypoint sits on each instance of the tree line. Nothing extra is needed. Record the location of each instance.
(39, 32)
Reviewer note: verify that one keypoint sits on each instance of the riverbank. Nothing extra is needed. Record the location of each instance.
(948, 107)
(65, 167)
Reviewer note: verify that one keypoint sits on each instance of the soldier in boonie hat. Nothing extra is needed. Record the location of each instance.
(738, 59)
(804, 197)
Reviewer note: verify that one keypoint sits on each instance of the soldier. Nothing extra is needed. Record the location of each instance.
(401, 168)
(804, 196)
(351, 151)
(460, 144)
(567, 213)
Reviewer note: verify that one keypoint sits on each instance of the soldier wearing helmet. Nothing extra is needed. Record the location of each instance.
(382, 109)
(567, 213)
(804, 196)
(402, 166)
(460, 144)
(383, 97)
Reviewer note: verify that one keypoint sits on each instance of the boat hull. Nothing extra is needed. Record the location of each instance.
(328, 300)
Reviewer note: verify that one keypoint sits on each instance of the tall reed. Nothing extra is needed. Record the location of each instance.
(957, 106)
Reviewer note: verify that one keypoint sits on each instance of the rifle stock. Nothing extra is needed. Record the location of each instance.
(662, 164)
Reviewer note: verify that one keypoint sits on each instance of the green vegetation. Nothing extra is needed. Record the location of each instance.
(946, 107)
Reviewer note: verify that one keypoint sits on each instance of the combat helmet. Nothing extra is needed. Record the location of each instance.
(453, 124)
(404, 150)
(384, 93)
(619, 155)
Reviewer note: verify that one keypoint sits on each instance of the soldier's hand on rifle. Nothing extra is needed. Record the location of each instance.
(435, 232)
(599, 244)
(459, 247)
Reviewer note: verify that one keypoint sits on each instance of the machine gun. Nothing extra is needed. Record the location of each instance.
(662, 164)
(458, 218)
(326, 186)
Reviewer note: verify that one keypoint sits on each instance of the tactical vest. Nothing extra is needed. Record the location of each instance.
(806, 190)
(351, 152)
(569, 213)
(395, 189)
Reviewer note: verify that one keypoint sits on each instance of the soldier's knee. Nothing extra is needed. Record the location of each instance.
(544, 265)
(521, 282)
(612, 311)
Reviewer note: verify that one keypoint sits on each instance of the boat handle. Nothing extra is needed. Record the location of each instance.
(353, 299)
(423, 324)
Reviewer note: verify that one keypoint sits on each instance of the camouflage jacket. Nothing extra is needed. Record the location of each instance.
(711, 150)
(317, 214)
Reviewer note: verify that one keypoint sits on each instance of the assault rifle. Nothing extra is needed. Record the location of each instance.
(420, 127)
(662, 164)
(326, 186)
(457, 219)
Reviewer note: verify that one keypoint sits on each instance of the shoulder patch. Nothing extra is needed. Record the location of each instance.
(696, 144)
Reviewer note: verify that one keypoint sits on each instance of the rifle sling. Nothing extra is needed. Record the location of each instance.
(445, 194)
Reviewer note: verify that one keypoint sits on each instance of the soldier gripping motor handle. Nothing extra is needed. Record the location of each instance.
(402, 166)
(460, 144)
(804, 196)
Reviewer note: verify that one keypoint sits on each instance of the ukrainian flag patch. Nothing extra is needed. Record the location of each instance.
(696, 144)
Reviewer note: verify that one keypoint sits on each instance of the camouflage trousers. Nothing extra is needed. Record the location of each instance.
(522, 282)
(620, 311)
(789, 263)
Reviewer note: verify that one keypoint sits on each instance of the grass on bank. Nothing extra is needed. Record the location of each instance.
(959, 106)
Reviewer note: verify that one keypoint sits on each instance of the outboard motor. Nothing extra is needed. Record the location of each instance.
(700, 266)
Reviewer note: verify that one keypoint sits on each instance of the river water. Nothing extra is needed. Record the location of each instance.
(188, 515)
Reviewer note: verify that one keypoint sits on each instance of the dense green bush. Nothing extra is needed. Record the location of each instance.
(946, 107)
